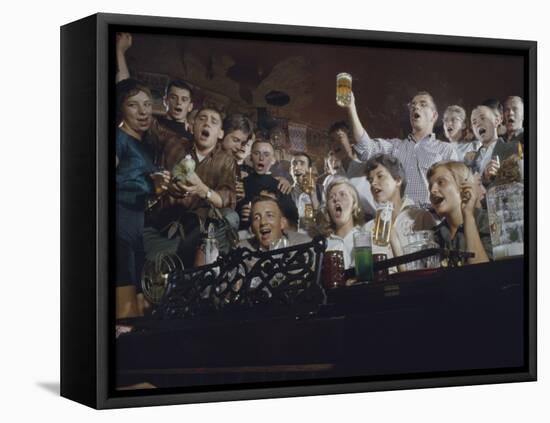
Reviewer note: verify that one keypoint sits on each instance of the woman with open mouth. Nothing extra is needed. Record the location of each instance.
(344, 218)
(388, 181)
(137, 177)
(454, 194)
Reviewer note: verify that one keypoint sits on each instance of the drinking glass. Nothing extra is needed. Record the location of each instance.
(343, 89)
(362, 252)
(383, 224)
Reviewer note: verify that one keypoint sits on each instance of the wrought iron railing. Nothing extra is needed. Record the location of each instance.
(286, 279)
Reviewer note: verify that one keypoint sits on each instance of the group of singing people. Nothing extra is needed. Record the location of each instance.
(248, 188)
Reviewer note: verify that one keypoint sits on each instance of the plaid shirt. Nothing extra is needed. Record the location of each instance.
(416, 158)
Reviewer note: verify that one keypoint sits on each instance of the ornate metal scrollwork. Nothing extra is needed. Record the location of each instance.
(283, 279)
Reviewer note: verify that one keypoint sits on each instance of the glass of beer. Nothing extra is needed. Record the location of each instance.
(383, 224)
(343, 89)
(308, 212)
(362, 253)
(308, 182)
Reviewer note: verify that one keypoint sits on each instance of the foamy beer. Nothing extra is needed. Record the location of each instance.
(382, 224)
(343, 89)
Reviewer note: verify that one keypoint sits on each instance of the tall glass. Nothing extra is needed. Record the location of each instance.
(383, 224)
(343, 89)
(362, 252)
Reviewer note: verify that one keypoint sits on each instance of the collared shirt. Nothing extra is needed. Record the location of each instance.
(484, 155)
(135, 165)
(463, 147)
(292, 238)
(442, 233)
(517, 135)
(416, 158)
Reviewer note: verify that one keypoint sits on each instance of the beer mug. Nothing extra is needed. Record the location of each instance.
(383, 224)
(333, 274)
(308, 212)
(343, 89)
(362, 254)
(308, 182)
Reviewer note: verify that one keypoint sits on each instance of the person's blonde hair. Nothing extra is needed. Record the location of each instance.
(460, 172)
(327, 227)
(455, 108)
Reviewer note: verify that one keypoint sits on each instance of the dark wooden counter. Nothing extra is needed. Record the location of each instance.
(447, 320)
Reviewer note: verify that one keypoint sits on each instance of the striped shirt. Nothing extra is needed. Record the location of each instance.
(416, 158)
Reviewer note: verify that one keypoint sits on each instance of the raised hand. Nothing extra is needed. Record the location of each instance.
(123, 41)
(492, 168)
(469, 193)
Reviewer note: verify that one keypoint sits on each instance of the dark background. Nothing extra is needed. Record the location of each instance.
(238, 74)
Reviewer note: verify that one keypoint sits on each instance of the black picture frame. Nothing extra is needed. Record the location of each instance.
(87, 356)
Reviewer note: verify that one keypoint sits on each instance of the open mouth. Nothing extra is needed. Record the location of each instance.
(450, 129)
(179, 109)
(260, 166)
(436, 200)
(416, 115)
(265, 233)
(482, 131)
(205, 133)
(337, 211)
(376, 191)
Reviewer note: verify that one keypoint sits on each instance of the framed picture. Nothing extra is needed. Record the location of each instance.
(256, 211)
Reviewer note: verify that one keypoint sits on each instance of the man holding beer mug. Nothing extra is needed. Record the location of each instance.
(396, 214)
(493, 149)
(417, 152)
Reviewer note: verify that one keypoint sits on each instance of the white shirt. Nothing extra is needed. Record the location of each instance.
(465, 147)
(485, 154)
(345, 244)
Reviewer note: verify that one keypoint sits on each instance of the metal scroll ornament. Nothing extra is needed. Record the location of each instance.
(155, 274)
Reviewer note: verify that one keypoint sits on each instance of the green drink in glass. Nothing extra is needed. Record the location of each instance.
(362, 253)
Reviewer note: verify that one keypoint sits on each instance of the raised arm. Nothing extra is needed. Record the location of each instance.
(357, 128)
(471, 231)
(123, 43)
(365, 146)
